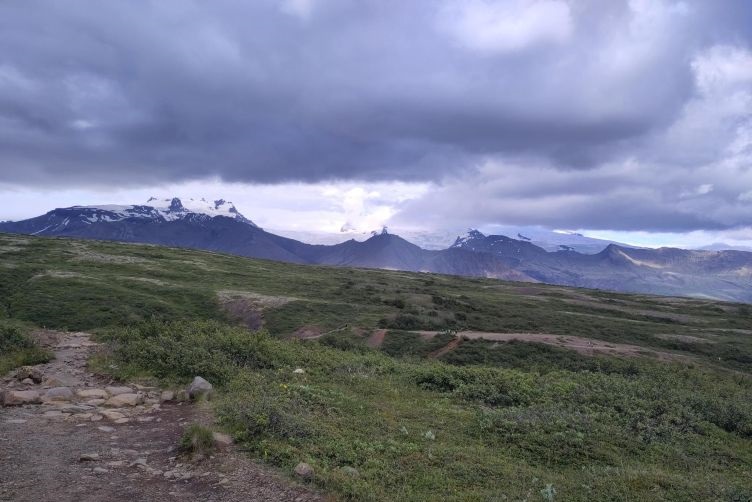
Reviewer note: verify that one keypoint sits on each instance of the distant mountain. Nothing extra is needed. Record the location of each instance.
(218, 226)
(725, 275)
(554, 240)
(722, 246)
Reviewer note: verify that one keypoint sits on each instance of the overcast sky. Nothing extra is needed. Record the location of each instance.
(619, 118)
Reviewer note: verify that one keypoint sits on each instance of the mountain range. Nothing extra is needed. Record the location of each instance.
(219, 226)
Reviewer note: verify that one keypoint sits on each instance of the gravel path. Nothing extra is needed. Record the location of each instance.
(89, 448)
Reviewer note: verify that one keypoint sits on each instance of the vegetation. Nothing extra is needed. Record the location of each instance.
(197, 440)
(17, 349)
(485, 421)
(418, 430)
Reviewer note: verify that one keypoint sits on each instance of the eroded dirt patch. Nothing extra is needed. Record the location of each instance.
(307, 333)
(585, 346)
(376, 339)
(248, 308)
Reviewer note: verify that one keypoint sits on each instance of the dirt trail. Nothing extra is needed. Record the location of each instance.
(586, 346)
(453, 344)
(79, 449)
(376, 338)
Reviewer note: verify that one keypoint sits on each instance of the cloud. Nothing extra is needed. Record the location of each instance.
(641, 100)
(504, 26)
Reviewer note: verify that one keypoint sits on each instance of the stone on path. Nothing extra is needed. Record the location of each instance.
(19, 397)
(93, 393)
(166, 396)
(58, 394)
(114, 391)
(30, 372)
(199, 388)
(112, 414)
(120, 400)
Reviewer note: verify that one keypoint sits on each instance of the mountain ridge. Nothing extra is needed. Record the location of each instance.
(218, 226)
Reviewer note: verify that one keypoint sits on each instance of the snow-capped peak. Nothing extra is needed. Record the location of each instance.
(469, 236)
(166, 209)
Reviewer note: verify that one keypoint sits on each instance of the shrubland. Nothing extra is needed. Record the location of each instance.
(487, 421)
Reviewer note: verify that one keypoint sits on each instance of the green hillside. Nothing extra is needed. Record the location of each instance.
(486, 420)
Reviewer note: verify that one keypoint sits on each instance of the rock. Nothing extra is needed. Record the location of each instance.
(93, 393)
(221, 440)
(88, 457)
(58, 394)
(106, 429)
(298, 371)
(304, 471)
(128, 399)
(96, 418)
(350, 471)
(166, 396)
(16, 421)
(75, 408)
(122, 420)
(100, 470)
(53, 382)
(145, 419)
(95, 402)
(112, 414)
(54, 414)
(138, 461)
(199, 388)
(30, 372)
(27, 381)
(115, 391)
(83, 416)
(19, 397)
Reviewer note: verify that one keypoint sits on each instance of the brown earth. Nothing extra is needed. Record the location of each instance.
(41, 445)
(585, 346)
(376, 339)
(248, 308)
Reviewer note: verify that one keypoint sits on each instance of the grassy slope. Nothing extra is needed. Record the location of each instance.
(503, 424)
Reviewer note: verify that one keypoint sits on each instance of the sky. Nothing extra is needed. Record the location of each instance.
(628, 119)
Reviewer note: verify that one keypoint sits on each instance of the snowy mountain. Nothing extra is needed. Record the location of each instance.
(218, 226)
(162, 209)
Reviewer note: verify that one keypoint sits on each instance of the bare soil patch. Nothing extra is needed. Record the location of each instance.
(376, 339)
(585, 346)
(248, 308)
(685, 338)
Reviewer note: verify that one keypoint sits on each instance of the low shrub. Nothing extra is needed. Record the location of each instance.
(17, 349)
(197, 440)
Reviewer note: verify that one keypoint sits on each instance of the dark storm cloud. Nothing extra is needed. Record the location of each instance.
(141, 91)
